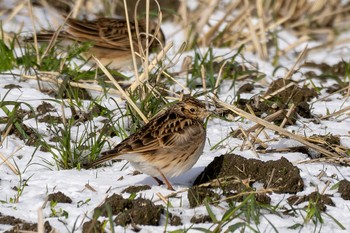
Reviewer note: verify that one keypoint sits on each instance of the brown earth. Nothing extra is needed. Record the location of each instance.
(235, 174)
(139, 211)
(20, 225)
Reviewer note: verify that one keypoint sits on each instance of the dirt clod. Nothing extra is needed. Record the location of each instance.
(344, 189)
(12, 86)
(45, 107)
(25, 133)
(20, 225)
(196, 195)
(10, 220)
(136, 189)
(279, 175)
(59, 197)
(246, 88)
(321, 199)
(278, 97)
(200, 219)
(263, 198)
(175, 221)
(139, 211)
(92, 226)
(51, 119)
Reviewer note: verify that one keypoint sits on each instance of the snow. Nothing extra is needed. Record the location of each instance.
(43, 179)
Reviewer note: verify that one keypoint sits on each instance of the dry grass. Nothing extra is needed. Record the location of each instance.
(255, 23)
(252, 23)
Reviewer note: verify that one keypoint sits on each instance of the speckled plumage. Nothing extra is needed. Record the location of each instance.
(109, 38)
(168, 145)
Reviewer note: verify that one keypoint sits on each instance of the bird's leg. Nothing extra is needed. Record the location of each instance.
(166, 181)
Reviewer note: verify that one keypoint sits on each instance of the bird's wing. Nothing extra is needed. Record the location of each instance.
(167, 131)
(103, 32)
(164, 132)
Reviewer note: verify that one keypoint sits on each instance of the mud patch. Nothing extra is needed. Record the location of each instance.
(280, 96)
(45, 107)
(66, 91)
(136, 189)
(338, 69)
(175, 221)
(292, 94)
(9, 220)
(25, 133)
(16, 127)
(20, 225)
(321, 200)
(329, 142)
(335, 72)
(200, 219)
(51, 119)
(43, 113)
(12, 86)
(246, 88)
(196, 195)
(139, 211)
(279, 175)
(344, 189)
(59, 197)
(93, 226)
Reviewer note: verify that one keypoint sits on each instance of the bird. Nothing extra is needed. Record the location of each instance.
(109, 38)
(168, 145)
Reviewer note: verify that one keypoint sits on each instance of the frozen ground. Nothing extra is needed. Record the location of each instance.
(43, 180)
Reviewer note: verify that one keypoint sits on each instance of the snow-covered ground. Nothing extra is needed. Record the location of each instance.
(43, 180)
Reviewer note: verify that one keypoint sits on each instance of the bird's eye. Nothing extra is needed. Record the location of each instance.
(192, 110)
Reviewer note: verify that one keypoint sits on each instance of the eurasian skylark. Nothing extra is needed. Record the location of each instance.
(109, 38)
(168, 145)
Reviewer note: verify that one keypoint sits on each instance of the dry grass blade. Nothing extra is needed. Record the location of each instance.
(267, 190)
(5, 160)
(278, 129)
(339, 160)
(130, 40)
(76, 8)
(269, 96)
(41, 227)
(52, 78)
(38, 59)
(120, 89)
(337, 113)
(292, 46)
(254, 37)
(289, 113)
(163, 198)
(143, 77)
(53, 39)
(218, 79)
(210, 34)
(327, 96)
(254, 23)
(204, 17)
(89, 187)
(271, 117)
(260, 11)
(301, 56)
(15, 11)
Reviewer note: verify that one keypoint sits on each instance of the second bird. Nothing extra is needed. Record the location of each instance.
(109, 38)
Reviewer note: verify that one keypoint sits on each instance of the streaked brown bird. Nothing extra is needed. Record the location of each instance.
(109, 38)
(168, 145)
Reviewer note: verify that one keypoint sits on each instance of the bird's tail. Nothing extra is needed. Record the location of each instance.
(106, 156)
